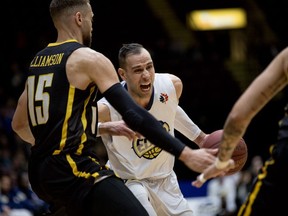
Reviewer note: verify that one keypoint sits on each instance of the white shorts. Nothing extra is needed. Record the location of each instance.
(161, 197)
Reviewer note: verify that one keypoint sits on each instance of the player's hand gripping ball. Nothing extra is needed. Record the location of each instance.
(239, 155)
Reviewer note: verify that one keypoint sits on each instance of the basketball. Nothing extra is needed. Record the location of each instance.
(239, 155)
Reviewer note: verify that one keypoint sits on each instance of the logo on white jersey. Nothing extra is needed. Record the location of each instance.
(163, 97)
(144, 148)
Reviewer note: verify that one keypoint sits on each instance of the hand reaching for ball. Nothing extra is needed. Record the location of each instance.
(221, 168)
(239, 155)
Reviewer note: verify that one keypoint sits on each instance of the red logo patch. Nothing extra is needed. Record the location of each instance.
(163, 98)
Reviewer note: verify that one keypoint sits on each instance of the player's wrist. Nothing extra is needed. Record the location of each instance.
(201, 178)
(221, 164)
(98, 129)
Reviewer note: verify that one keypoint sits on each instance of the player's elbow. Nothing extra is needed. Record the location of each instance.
(234, 117)
(237, 120)
(17, 125)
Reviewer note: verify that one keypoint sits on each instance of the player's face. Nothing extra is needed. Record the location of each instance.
(139, 74)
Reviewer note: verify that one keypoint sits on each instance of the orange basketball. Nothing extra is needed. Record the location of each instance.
(239, 155)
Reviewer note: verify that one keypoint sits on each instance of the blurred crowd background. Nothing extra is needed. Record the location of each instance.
(215, 66)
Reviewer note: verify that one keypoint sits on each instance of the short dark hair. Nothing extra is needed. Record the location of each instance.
(58, 6)
(126, 49)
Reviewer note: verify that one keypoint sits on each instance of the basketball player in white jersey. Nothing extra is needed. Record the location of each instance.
(147, 169)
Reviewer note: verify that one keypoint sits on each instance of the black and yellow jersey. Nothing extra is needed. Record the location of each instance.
(62, 118)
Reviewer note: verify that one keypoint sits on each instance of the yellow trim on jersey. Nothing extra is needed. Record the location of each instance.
(246, 208)
(56, 44)
(67, 116)
(84, 123)
(78, 173)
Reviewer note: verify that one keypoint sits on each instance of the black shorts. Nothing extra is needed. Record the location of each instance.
(65, 180)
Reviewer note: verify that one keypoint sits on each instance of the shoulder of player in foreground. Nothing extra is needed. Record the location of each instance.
(283, 53)
(87, 53)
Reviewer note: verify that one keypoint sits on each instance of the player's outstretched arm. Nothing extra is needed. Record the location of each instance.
(263, 88)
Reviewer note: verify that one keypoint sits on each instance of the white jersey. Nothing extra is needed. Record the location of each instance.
(149, 169)
(140, 159)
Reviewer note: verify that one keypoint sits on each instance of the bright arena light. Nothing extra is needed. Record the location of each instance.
(216, 19)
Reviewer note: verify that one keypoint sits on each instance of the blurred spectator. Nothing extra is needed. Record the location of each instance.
(35, 205)
(12, 201)
(256, 164)
(243, 186)
(225, 189)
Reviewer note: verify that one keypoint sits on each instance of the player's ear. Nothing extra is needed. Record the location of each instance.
(78, 18)
(122, 73)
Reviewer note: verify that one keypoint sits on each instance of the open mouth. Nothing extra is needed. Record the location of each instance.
(145, 87)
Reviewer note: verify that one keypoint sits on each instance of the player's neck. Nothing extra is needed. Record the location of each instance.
(141, 101)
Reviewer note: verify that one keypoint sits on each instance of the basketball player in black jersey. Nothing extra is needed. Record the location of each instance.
(268, 194)
(57, 114)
